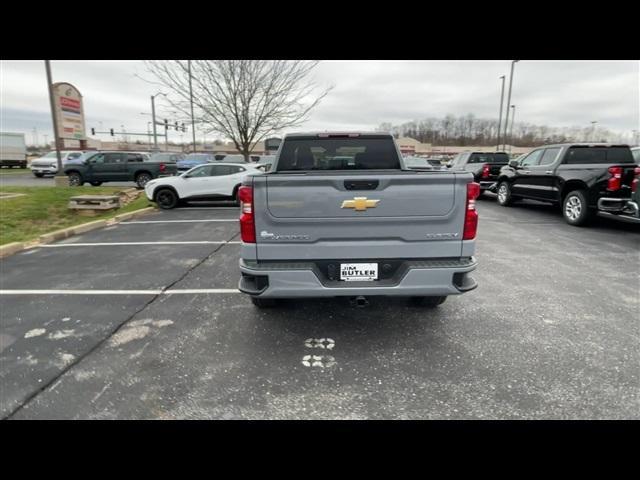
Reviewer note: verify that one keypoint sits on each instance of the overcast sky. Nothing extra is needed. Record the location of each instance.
(366, 93)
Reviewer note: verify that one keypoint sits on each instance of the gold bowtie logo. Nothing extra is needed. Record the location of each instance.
(359, 203)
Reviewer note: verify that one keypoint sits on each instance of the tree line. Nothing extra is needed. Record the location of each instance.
(469, 130)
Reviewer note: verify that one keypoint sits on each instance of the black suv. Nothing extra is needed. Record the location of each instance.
(485, 167)
(581, 178)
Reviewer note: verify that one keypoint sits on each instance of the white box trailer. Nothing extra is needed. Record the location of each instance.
(13, 150)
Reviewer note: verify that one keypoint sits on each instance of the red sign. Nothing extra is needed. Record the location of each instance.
(70, 102)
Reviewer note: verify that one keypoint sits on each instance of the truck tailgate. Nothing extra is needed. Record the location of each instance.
(373, 215)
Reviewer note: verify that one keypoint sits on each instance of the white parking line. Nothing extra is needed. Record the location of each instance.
(183, 291)
(110, 244)
(179, 221)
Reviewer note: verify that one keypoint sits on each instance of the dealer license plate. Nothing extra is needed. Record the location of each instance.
(358, 272)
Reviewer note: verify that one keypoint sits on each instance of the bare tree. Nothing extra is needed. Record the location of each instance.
(243, 100)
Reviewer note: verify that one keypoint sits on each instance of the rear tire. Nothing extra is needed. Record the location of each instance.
(96, 184)
(236, 200)
(504, 194)
(166, 198)
(75, 179)
(264, 302)
(575, 208)
(142, 179)
(429, 302)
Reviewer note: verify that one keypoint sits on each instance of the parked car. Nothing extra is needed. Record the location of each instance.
(13, 150)
(266, 162)
(581, 178)
(630, 210)
(232, 159)
(116, 166)
(48, 165)
(166, 157)
(485, 167)
(417, 163)
(193, 160)
(212, 181)
(372, 227)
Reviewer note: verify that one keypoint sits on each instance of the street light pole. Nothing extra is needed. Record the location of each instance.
(506, 123)
(513, 116)
(193, 123)
(500, 117)
(53, 116)
(153, 120)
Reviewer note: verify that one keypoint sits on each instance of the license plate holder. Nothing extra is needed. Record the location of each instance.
(358, 272)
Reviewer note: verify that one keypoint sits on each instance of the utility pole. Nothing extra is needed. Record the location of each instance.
(148, 134)
(53, 116)
(193, 122)
(506, 123)
(513, 116)
(153, 120)
(500, 117)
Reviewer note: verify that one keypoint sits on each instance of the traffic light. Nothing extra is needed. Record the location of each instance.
(183, 129)
(166, 124)
(176, 126)
(93, 131)
(112, 132)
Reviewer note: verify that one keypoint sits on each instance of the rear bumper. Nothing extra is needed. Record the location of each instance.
(622, 209)
(488, 185)
(421, 278)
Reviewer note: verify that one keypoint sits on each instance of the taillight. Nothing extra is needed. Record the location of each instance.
(471, 215)
(486, 171)
(162, 167)
(636, 179)
(247, 223)
(615, 181)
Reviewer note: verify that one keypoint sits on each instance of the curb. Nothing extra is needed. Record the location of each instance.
(15, 247)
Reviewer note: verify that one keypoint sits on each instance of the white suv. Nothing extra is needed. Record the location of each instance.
(48, 165)
(211, 181)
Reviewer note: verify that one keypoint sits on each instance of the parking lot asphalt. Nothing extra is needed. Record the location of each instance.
(158, 331)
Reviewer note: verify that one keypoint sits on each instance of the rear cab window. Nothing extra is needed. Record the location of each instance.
(591, 155)
(338, 152)
(489, 158)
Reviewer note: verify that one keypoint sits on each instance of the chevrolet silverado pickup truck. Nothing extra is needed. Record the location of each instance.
(99, 167)
(582, 178)
(485, 167)
(340, 215)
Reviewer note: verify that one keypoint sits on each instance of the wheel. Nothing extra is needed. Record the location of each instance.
(236, 200)
(39, 175)
(75, 179)
(263, 302)
(142, 179)
(430, 302)
(166, 198)
(96, 184)
(575, 208)
(504, 194)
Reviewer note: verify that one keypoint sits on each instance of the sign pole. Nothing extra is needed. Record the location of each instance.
(55, 120)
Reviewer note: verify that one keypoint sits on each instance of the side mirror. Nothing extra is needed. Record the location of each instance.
(514, 164)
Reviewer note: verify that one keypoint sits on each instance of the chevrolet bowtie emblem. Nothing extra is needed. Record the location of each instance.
(360, 203)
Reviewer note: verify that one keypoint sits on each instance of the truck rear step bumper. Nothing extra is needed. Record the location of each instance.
(421, 278)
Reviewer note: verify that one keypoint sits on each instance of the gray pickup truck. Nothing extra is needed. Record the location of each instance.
(341, 215)
(97, 168)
